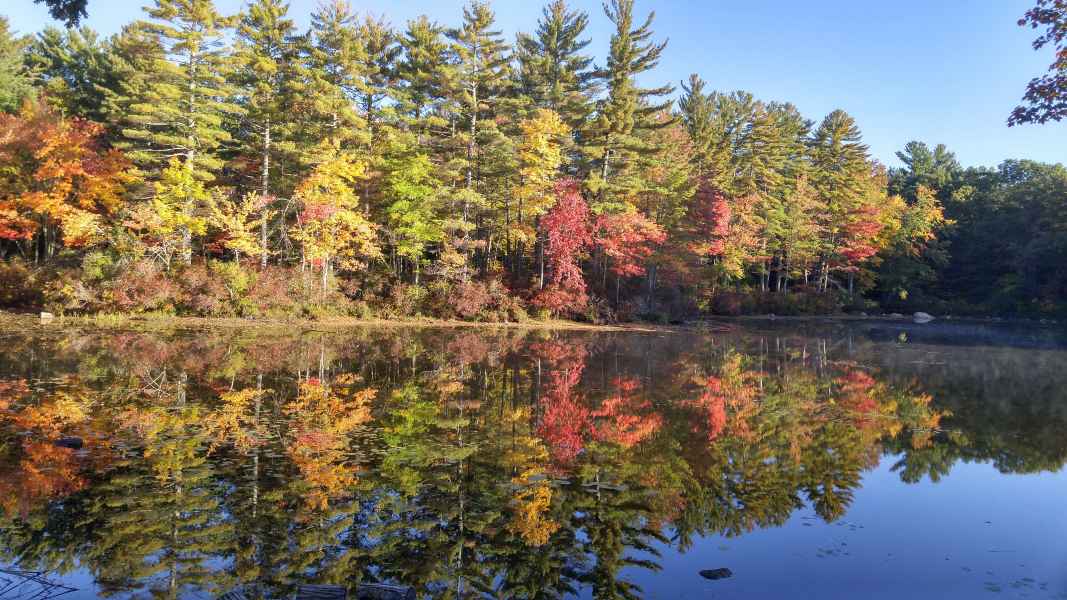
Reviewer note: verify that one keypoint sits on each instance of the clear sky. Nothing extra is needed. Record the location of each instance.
(939, 71)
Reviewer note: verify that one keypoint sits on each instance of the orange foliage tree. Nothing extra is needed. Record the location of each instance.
(57, 180)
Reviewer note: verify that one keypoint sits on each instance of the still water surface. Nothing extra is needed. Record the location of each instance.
(816, 461)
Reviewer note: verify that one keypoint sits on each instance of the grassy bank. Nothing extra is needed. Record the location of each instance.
(160, 322)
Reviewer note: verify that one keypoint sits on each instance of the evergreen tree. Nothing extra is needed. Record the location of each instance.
(481, 82)
(265, 54)
(552, 71)
(187, 97)
(482, 74)
(423, 71)
(77, 71)
(333, 72)
(840, 174)
(380, 53)
(15, 83)
(628, 108)
(68, 11)
(935, 169)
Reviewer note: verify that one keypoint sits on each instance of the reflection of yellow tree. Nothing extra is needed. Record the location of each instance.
(321, 419)
(527, 459)
(235, 421)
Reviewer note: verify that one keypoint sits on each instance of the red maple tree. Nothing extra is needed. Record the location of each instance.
(567, 231)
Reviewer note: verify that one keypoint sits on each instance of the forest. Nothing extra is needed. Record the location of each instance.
(199, 163)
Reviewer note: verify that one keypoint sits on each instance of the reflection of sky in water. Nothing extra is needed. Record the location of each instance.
(973, 533)
(550, 422)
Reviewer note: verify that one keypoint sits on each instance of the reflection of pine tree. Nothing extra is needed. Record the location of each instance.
(156, 522)
(613, 512)
(423, 514)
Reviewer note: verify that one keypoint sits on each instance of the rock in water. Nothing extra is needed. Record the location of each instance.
(921, 317)
(72, 442)
(46, 317)
(714, 574)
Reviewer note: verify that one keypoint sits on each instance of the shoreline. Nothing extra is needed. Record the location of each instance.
(9, 320)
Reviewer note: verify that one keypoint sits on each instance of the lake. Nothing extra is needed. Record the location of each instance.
(811, 459)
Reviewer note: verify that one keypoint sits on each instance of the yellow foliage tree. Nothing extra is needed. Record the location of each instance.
(330, 227)
(540, 156)
(239, 221)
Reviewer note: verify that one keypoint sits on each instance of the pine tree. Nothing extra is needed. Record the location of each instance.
(132, 55)
(628, 109)
(265, 54)
(839, 175)
(77, 70)
(187, 98)
(68, 11)
(380, 53)
(552, 71)
(482, 73)
(15, 82)
(423, 70)
(333, 72)
(482, 78)
(697, 113)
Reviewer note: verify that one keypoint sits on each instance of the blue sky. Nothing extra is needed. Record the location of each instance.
(939, 71)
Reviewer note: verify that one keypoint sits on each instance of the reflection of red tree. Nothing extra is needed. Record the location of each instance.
(563, 416)
(44, 471)
(321, 421)
(857, 395)
(468, 348)
(625, 418)
(714, 404)
(734, 389)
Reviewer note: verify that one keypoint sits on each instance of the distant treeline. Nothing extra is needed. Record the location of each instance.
(202, 163)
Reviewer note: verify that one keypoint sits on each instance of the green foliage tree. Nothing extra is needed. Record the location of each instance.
(15, 82)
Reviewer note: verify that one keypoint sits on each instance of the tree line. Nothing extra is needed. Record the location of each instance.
(217, 164)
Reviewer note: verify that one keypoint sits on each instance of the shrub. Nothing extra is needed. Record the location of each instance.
(268, 294)
(727, 303)
(439, 301)
(143, 287)
(20, 286)
(65, 294)
(405, 300)
(203, 294)
(236, 280)
(599, 311)
(98, 266)
(470, 299)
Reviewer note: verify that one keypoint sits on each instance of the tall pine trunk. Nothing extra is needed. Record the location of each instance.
(265, 194)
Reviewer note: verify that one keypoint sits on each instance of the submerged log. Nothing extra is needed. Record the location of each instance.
(381, 591)
(321, 592)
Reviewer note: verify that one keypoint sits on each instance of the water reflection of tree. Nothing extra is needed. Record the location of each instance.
(465, 464)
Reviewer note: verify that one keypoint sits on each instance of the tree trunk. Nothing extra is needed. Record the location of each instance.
(325, 277)
(265, 194)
